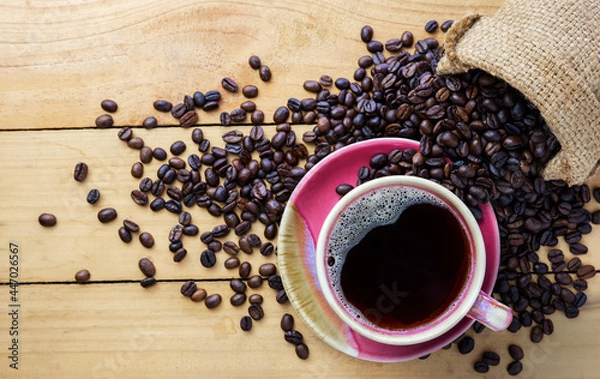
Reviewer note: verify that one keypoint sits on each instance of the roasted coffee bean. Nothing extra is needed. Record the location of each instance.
(407, 39)
(147, 267)
(229, 85)
(137, 170)
(175, 233)
(80, 172)
(188, 288)
(244, 269)
(563, 278)
(146, 240)
(312, 86)
(275, 282)
(255, 281)
(150, 122)
(220, 231)
(146, 154)
(246, 323)
(237, 299)
(256, 312)
(431, 26)
(302, 351)
(446, 25)
(343, 189)
(135, 143)
(293, 336)
(147, 282)
(47, 219)
(125, 133)
(215, 246)
(208, 258)
(250, 91)
(516, 352)
(287, 322)
(514, 368)
(107, 215)
(93, 196)
(125, 235)
(586, 272)
(466, 345)
(265, 73)
(267, 269)
(82, 276)
(237, 285)
(481, 367)
(596, 218)
(366, 33)
(491, 358)
(104, 121)
(267, 249)
(537, 334)
(578, 249)
(393, 45)
(131, 226)
(179, 255)
(163, 105)
(138, 197)
(255, 299)
(198, 295)
(157, 204)
(213, 301)
(109, 105)
(281, 115)
(281, 297)
(254, 62)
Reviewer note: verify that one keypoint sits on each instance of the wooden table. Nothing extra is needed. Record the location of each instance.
(58, 60)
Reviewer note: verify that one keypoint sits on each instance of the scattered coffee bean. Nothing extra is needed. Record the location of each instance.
(198, 295)
(237, 286)
(131, 226)
(254, 62)
(146, 240)
(302, 351)
(107, 215)
(287, 322)
(256, 312)
(232, 263)
(265, 73)
(293, 336)
(481, 367)
(188, 288)
(47, 219)
(267, 269)
(163, 105)
(431, 26)
(82, 276)
(516, 352)
(80, 172)
(537, 334)
(213, 301)
(466, 345)
(237, 299)
(147, 282)
(446, 25)
(514, 368)
(246, 323)
(147, 267)
(255, 281)
(125, 235)
(256, 299)
(491, 358)
(109, 106)
(105, 121)
(208, 258)
(137, 170)
(250, 91)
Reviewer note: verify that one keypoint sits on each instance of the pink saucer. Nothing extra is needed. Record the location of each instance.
(305, 212)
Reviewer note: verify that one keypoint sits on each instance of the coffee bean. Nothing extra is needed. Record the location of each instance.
(537, 334)
(366, 33)
(80, 172)
(137, 170)
(107, 215)
(255, 299)
(163, 105)
(213, 301)
(596, 217)
(231, 263)
(237, 299)
(220, 231)
(131, 226)
(431, 26)
(393, 45)
(293, 336)
(287, 322)
(146, 240)
(256, 312)
(255, 281)
(466, 345)
(198, 295)
(47, 219)
(82, 276)
(147, 282)
(125, 235)
(246, 323)
(250, 91)
(586, 272)
(265, 73)
(146, 154)
(267, 249)
(267, 269)
(491, 358)
(179, 255)
(516, 352)
(104, 121)
(281, 297)
(125, 133)
(208, 258)
(481, 367)
(254, 62)
(138, 197)
(188, 288)
(275, 282)
(157, 204)
(514, 368)
(244, 270)
(229, 85)
(281, 115)
(190, 118)
(578, 249)
(407, 39)
(109, 105)
(135, 143)
(147, 267)
(446, 25)
(175, 233)
(302, 351)
(237, 285)
(150, 122)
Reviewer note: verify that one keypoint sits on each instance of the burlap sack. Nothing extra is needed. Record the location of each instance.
(549, 50)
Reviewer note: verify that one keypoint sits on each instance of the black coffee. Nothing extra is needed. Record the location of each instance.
(407, 273)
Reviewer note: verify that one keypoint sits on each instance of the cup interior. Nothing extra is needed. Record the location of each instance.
(380, 202)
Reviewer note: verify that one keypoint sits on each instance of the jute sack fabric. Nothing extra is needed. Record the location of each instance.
(549, 50)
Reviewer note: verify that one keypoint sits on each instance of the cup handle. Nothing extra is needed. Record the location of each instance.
(491, 313)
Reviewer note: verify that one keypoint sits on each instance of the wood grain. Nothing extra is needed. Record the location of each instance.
(58, 60)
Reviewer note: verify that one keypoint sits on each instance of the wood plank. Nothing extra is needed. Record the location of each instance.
(122, 330)
(38, 167)
(60, 59)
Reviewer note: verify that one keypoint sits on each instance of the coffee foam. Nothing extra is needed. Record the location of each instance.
(381, 206)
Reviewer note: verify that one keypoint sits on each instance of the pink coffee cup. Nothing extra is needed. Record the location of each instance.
(393, 294)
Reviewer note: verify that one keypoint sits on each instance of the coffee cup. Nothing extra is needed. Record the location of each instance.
(401, 260)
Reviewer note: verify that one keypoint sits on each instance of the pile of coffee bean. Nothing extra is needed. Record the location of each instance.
(478, 137)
